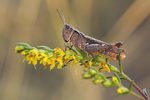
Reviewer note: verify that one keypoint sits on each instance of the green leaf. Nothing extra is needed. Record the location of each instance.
(44, 47)
(109, 77)
(144, 91)
(122, 94)
(82, 53)
(107, 61)
(112, 76)
(29, 48)
(23, 44)
(67, 63)
(131, 85)
(117, 77)
(120, 64)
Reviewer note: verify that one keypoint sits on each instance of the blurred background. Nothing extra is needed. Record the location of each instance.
(37, 22)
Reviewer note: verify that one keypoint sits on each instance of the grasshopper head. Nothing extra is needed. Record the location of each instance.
(67, 32)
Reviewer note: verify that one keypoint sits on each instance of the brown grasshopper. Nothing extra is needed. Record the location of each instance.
(91, 45)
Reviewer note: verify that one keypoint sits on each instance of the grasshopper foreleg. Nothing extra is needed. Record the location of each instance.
(68, 45)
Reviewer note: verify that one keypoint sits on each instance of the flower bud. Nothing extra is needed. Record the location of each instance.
(86, 75)
(100, 76)
(122, 90)
(97, 81)
(19, 49)
(108, 84)
(92, 71)
(115, 81)
(113, 68)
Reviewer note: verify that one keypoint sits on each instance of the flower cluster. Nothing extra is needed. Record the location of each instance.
(57, 57)
(52, 57)
(101, 78)
(47, 56)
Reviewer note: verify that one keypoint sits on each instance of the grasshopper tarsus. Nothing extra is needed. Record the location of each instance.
(94, 58)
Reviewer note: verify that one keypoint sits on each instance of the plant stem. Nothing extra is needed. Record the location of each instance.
(137, 95)
(120, 64)
(136, 86)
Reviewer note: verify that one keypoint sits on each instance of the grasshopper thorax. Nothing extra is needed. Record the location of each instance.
(67, 32)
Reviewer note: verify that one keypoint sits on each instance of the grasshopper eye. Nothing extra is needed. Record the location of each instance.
(67, 26)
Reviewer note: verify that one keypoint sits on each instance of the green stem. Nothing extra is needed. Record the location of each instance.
(107, 61)
(137, 95)
(120, 64)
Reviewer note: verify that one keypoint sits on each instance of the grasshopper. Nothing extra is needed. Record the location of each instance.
(90, 45)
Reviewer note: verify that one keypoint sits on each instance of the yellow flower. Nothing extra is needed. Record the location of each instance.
(59, 52)
(31, 57)
(60, 60)
(90, 62)
(68, 57)
(52, 65)
(52, 62)
(106, 68)
(74, 61)
(86, 65)
(76, 69)
(45, 60)
(24, 52)
(119, 90)
(34, 61)
(59, 65)
(101, 63)
(34, 52)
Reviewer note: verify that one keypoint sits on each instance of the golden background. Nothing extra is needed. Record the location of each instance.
(37, 22)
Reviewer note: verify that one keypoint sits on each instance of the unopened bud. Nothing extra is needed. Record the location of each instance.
(19, 49)
(115, 81)
(121, 90)
(86, 75)
(100, 76)
(97, 81)
(92, 71)
(113, 68)
(108, 84)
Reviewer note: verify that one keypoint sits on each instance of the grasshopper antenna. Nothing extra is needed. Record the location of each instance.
(62, 19)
